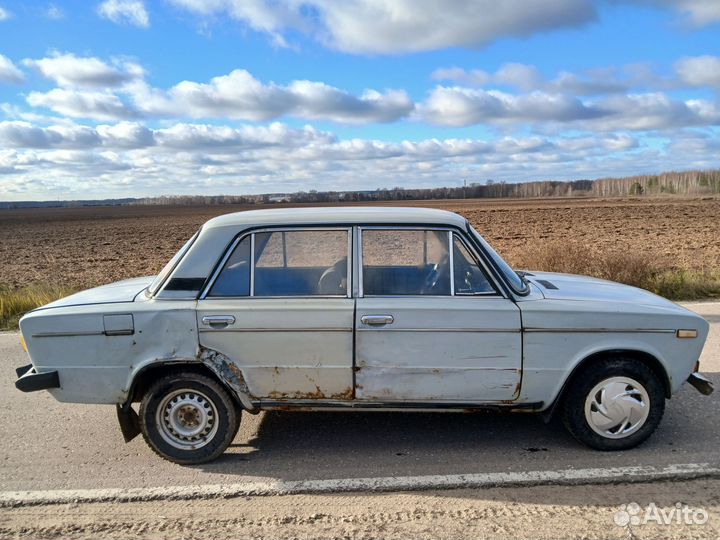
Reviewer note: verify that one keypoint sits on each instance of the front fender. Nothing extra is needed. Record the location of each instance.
(551, 358)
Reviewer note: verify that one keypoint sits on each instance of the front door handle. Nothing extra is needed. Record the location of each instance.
(377, 320)
(218, 321)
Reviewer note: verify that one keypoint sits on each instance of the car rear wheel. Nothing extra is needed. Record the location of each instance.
(188, 418)
(614, 404)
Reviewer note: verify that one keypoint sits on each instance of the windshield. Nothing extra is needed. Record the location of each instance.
(515, 281)
(155, 285)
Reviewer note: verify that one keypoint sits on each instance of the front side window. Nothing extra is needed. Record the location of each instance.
(286, 263)
(399, 262)
(517, 283)
(469, 277)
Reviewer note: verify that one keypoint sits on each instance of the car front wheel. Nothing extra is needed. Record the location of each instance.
(614, 404)
(188, 418)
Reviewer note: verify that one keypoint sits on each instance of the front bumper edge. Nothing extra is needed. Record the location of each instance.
(701, 384)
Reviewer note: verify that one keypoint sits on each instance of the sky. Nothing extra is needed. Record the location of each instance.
(133, 98)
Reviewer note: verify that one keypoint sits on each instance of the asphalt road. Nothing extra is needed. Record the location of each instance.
(48, 445)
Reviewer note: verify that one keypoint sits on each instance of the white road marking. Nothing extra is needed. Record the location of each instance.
(388, 483)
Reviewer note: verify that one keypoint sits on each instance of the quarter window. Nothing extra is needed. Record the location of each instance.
(234, 279)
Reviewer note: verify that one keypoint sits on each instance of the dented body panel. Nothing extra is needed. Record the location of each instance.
(498, 350)
(439, 348)
(97, 367)
(292, 348)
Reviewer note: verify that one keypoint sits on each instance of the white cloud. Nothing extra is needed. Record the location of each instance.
(654, 111)
(82, 104)
(596, 82)
(699, 71)
(125, 12)
(180, 136)
(9, 73)
(125, 135)
(68, 70)
(699, 12)
(381, 27)
(528, 77)
(4, 14)
(221, 138)
(458, 106)
(521, 76)
(240, 95)
(130, 159)
(54, 12)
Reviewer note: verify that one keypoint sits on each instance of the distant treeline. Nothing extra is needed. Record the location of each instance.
(672, 183)
(67, 204)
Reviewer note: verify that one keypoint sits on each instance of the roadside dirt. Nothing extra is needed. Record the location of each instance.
(83, 247)
(534, 512)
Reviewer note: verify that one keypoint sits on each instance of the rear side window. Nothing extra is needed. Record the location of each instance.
(301, 263)
(286, 263)
(398, 262)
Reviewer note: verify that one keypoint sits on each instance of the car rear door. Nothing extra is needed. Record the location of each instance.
(279, 307)
(431, 325)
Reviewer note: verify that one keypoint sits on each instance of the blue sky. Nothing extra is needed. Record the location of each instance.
(123, 98)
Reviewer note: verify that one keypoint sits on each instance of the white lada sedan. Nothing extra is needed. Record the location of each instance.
(386, 309)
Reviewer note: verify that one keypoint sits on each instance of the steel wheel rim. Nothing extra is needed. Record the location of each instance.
(617, 407)
(187, 419)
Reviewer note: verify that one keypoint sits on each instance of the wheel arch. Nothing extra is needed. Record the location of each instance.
(645, 357)
(149, 373)
(208, 363)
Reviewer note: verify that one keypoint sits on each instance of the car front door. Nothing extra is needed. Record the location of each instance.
(279, 308)
(431, 326)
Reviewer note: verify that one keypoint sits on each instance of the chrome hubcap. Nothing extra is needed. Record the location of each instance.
(617, 407)
(187, 419)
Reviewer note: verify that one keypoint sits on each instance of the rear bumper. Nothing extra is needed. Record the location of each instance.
(31, 381)
(701, 384)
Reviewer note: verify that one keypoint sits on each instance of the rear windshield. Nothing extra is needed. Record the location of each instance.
(160, 278)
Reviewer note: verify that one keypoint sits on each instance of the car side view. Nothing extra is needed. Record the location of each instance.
(361, 308)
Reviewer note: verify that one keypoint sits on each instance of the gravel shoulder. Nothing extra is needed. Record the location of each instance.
(536, 512)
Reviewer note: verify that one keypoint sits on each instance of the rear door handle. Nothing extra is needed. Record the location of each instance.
(218, 321)
(377, 320)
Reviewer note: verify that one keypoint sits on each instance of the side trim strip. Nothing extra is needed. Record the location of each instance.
(602, 330)
(276, 330)
(67, 334)
(464, 330)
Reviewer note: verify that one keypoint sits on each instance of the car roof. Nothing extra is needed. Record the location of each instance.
(338, 215)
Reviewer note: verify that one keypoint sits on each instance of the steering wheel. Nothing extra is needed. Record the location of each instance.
(433, 277)
(467, 280)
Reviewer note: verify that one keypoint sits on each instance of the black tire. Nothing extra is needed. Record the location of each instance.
(204, 398)
(583, 383)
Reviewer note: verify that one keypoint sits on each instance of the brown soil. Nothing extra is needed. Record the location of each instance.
(89, 246)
